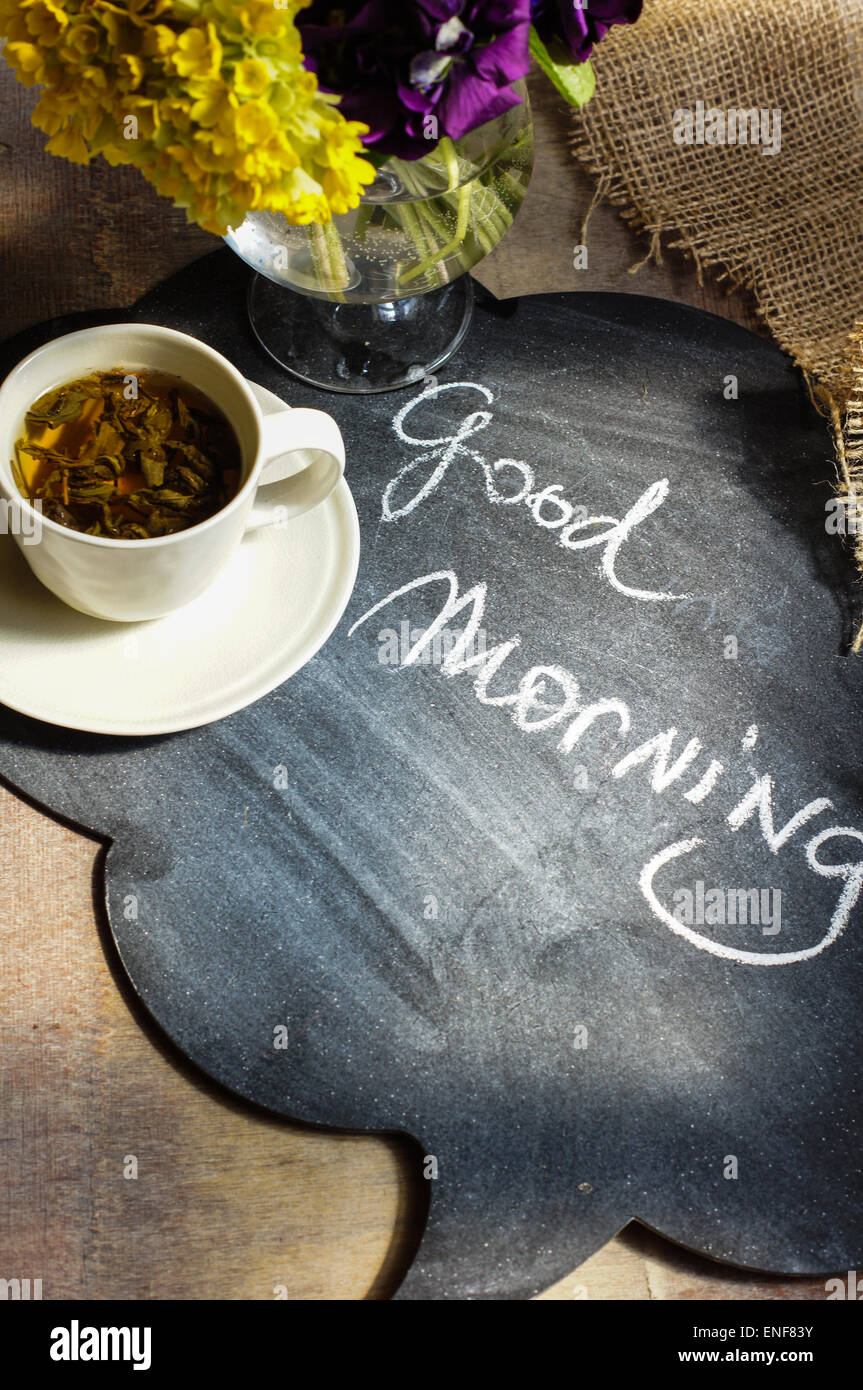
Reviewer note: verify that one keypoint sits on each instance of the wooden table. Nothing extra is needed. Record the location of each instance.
(228, 1202)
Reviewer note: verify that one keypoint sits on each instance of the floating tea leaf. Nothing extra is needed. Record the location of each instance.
(59, 407)
(128, 468)
(152, 466)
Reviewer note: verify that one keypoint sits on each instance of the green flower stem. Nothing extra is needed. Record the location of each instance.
(328, 256)
(452, 246)
(485, 229)
(412, 220)
(486, 242)
(450, 229)
(491, 225)
(450, 156)
(505, 174)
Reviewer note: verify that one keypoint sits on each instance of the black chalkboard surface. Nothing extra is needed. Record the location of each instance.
(485, 858)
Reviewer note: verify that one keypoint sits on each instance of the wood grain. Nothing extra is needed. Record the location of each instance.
(228, 1203)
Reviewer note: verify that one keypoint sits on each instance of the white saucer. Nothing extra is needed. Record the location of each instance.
(267, 614)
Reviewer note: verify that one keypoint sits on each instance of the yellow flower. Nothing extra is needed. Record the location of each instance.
(305, 199)
(226, 117)
(45, 20)
(186, 162)
(255, 16)
(158, 41)
(118, 27)
(94, 80)
(27, 61)
(13, 25)
(290, 98)
(70, 144)
(214, 152)
(51, 113)
(343, 167)
(267, 166)
(80, 41)
(130, 71)
(198, 53)
(176, 111)
(213, 102)
(251, 77)
(255, 122)
(339, 185)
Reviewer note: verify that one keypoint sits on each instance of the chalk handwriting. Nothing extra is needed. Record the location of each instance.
(549, 697)
(550, 510)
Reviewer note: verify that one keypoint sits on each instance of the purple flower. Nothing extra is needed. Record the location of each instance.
(416, 70)
(581, 23)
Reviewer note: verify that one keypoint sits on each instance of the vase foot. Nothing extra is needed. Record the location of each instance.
(360, 348)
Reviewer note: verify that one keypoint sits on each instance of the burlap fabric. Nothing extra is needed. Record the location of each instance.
(786, 225)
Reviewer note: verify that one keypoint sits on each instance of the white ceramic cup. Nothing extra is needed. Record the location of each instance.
(291, 461)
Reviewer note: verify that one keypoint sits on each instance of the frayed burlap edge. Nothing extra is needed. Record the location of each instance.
(848, 438)
(610, 188)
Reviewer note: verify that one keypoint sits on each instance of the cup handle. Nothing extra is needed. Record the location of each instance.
(304, 459)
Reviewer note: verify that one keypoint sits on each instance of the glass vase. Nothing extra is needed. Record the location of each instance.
(378, 298)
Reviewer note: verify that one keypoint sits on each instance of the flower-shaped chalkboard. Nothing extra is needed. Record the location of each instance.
(553, 856)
